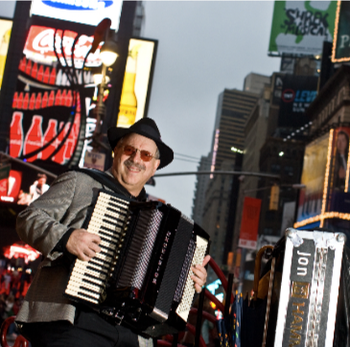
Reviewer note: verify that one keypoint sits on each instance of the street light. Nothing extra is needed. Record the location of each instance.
(108, 55)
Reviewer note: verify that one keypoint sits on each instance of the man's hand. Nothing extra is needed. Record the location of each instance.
(83, 244)
(200, 274)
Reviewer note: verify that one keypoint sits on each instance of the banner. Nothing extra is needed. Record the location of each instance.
(250, 223)
(301, 27)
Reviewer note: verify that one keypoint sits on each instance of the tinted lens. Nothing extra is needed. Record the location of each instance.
(130, 150)
(146, 156)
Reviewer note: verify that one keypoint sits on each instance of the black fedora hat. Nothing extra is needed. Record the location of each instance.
(148, 128)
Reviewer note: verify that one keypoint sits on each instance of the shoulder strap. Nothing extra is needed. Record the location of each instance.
(101, 177)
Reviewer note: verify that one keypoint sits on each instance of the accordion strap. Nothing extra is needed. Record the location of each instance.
(101, 177)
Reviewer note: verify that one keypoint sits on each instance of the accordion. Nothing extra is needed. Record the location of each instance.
(308, 294)
(142, 277)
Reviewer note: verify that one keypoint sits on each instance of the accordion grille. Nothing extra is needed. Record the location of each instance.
(184, 272)
(141, 249)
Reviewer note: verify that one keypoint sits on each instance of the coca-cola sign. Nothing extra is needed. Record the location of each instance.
(43, 42)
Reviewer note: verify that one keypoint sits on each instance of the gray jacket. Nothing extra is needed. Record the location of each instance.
(42, 225)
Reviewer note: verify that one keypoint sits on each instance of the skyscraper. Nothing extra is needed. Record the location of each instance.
(233, 109)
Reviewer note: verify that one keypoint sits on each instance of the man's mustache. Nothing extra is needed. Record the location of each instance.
(128, 163)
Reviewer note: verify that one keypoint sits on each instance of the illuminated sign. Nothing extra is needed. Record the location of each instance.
(21, 251)
(40, 48)
(137, 81)
(215, 150)
(297, 93)
(90, 12)
(326, 177)
(301, 27)
(313, 175)
(5, 34)
(250, 223)
(10, 187)
(47, 125)
(341, 42)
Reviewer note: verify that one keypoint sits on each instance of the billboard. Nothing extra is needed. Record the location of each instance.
(48, 45)
(5, 34)
(326, 198)
(84, 12)
(297, 94)
(250, 223)
(341, 43)
(339, 171)
(137, 81)
(313, 176)
(300, 27)
(48, 123)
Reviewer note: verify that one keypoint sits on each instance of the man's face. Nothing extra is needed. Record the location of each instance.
(130, 170)
(41, 181)
(341, 143)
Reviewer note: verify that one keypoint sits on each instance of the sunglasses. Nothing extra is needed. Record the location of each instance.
(130, 151)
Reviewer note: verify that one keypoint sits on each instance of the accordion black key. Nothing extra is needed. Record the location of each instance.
(142, 276)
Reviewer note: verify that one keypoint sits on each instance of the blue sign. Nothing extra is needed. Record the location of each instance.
(78, 4)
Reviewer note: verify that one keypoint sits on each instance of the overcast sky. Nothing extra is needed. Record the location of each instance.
(204, 47)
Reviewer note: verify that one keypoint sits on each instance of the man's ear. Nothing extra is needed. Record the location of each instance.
(156, 166)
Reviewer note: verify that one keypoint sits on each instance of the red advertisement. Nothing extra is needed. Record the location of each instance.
(40, 47)
(250, 223)
(10, 187)
(48, 125)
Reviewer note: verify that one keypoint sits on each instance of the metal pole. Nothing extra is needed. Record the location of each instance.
(100, 107)
(32, 166)
(241, 173)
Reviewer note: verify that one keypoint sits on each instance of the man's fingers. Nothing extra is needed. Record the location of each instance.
(206, 260)
(83, 244)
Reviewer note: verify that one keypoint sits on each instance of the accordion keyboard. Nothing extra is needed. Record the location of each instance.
(88, 279)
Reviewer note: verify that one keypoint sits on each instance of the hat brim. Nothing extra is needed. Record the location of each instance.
(166, 153)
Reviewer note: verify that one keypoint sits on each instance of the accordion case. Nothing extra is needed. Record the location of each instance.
(309, 305)
(142, 276)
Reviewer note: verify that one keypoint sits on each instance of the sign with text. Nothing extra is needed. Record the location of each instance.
(48, 124)
(300, 27)
(298, 92)
(44, 45)
(250, 223)
(85, 12)
(95, 160)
